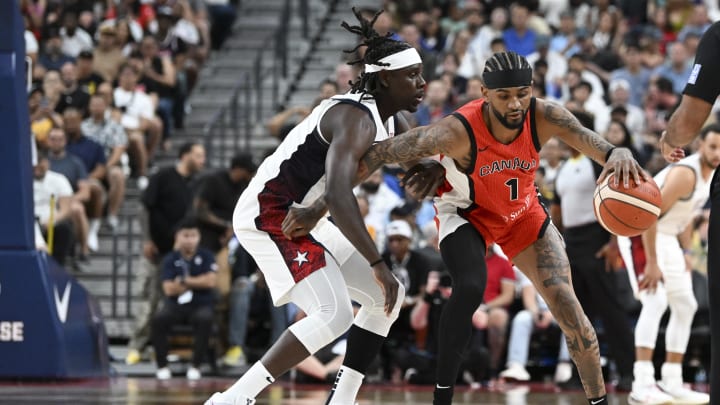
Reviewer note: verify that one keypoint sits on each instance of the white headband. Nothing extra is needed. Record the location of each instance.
(396, 61)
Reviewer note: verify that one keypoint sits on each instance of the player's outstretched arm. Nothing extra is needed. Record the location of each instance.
(556, 120)
(447, 136)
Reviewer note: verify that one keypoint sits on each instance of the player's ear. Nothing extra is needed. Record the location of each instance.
(383, 78)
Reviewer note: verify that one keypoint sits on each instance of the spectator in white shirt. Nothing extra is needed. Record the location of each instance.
(138, 109)
(74, 38)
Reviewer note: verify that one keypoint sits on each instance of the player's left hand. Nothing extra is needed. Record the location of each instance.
(625, 167)
(423, 179)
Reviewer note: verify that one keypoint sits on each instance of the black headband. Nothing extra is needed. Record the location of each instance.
(508, 78)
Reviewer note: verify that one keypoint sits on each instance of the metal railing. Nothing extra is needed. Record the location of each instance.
(233, 123)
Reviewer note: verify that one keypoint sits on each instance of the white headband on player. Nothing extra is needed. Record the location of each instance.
(402, 59)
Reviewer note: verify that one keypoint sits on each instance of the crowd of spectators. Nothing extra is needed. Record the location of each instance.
(111, 82)
(620, 66)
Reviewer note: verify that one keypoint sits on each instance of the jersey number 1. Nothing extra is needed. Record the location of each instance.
(513, 185)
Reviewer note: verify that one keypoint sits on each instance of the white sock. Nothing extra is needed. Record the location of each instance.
(672, 374)
(644, 373)
(251, 383)
(347, 385)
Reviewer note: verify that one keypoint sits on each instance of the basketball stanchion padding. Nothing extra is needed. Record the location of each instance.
(50, 327)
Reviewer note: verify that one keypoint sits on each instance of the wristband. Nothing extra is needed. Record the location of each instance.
(376, 262)
(607, 155)
(428, 298)
(687, 251)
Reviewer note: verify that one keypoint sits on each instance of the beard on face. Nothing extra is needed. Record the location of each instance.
(506, 123)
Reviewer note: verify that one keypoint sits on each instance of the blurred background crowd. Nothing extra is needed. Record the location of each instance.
(111, 80)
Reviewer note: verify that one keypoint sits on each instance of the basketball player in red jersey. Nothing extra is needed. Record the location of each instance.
(489, 150)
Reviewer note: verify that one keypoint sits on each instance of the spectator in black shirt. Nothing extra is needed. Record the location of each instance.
(72, 94)
(188, 282)
(87, 78)
(216, 202)
(167, 200)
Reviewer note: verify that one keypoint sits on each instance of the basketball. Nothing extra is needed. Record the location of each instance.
(627, 211)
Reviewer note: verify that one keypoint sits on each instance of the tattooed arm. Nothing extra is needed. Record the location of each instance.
(447, 136)
(555, 120)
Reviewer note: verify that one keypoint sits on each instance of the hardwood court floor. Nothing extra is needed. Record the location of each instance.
(178, 391)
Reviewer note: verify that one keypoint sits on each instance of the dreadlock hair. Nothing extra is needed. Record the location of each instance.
(504, 61)
(378, 47)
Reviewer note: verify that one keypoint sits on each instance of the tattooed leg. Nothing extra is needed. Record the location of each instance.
(546, 264)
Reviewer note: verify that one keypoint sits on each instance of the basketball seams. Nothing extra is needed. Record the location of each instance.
(625, 212)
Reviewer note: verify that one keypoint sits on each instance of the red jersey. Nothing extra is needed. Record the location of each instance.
(497, 193)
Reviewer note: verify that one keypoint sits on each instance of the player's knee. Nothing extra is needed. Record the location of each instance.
(469, 291)
(683, 304)
(655, 304)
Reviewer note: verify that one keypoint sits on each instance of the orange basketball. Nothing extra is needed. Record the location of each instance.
(627, 211)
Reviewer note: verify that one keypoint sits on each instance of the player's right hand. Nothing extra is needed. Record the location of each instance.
(651, 277)
(299, 221)
(671, 153)
(389, 285)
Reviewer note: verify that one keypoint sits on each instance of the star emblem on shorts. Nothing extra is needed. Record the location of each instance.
(301, 258)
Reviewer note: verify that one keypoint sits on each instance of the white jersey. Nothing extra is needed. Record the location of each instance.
(295, 175)
(296, 171)
(677, 218)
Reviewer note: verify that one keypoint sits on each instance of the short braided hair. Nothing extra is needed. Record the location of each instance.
(378, 47)
(504, 61)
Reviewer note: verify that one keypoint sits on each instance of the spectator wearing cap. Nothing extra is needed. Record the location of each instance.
(42, 117)
(677, 68)
(74, 38)
(72, 94)
(411, 269)
(53, 57)
(216, 200)
(635, 121)
(557, 63)
(100, 128)
(519, 37)
(174, 33)
(107, 56)
(635, 74)
(87, 78)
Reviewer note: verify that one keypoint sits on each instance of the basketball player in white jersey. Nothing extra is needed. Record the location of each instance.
(666, 280)
(337, 261)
